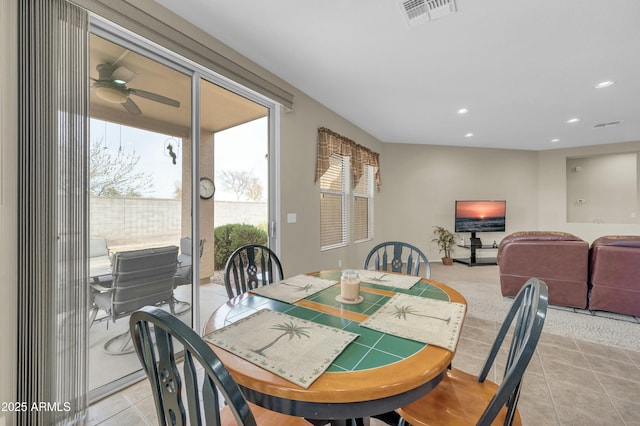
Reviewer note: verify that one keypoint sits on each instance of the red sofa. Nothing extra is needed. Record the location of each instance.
(559, 259)
(615, 275)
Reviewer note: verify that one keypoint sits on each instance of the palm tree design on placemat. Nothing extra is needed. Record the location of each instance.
(290, 329)
(378, 279)
(403, 311)
(298, 287)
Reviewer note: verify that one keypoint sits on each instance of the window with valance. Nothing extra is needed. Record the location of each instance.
(330, 143)
(348, 173)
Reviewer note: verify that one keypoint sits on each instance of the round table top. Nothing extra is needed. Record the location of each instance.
(422, 365)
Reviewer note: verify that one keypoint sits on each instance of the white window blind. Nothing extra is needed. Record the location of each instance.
(333, 205)
(363, 207)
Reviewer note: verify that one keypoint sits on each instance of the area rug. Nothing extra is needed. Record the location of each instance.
(480, 285)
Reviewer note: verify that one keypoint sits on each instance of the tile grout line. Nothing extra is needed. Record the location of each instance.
(546, 382)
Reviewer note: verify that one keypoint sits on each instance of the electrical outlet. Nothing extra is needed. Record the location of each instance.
(340, 263)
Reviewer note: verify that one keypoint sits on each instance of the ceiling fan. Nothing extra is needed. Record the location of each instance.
(111, 85)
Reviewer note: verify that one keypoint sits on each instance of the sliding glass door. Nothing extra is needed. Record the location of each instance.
(139, 198)
(234, 153)
(159, 126)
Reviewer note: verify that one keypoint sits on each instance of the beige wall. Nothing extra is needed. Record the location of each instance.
(300, 241)
(207, 210)
(420, 185)
(206, 162)
(422, 182)
(8, 206)
(596, 183)
(552, 192)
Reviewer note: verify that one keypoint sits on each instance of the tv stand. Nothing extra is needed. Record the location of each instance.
(472, 260)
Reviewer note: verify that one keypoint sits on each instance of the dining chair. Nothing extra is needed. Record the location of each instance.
(391, 256)
(191, 398)
(464, 399)
(250, 266)
(140, 278)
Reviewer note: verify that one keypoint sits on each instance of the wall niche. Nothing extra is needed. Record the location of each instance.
(603, 188)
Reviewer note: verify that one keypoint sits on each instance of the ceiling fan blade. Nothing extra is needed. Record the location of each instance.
(123, 74)
(131, 106)
(155, 97)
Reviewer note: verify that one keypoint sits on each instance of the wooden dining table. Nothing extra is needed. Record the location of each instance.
(376, 373)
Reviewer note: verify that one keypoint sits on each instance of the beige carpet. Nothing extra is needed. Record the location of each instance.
(480, 285)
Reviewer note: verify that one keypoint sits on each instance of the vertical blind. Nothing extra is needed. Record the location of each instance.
(52, 212)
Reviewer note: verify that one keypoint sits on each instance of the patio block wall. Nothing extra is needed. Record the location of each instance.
(144, 222)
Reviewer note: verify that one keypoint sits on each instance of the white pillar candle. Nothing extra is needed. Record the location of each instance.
(350, 285)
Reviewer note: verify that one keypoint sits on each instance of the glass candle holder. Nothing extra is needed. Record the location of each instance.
(350, 285)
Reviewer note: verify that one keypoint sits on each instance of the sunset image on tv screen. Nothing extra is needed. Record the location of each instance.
(480, 216)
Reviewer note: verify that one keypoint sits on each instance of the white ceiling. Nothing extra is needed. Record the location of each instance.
(521, 67)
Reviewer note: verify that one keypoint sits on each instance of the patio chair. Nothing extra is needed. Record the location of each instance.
(100, 261)
(401, 254)
(99, 273)
(177, 396)
(140, 278)
(184, 271)
(251, 266)
(464, 399)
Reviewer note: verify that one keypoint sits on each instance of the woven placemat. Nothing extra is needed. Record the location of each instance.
(425, 320)
(295, 288)
(292, 348)
(388, 280)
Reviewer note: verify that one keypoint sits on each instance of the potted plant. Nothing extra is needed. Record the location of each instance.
(446, 241)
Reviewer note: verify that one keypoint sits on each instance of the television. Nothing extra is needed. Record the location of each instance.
(480, 216)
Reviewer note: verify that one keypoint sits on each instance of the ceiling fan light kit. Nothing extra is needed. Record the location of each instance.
(111, 92)
(111, 85)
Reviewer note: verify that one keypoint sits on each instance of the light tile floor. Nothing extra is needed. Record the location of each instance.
(569, 382)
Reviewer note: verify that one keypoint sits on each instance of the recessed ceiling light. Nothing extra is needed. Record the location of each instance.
(604, 84)
(468, 135)
(555, 140)
(573, 120)
(463, 111)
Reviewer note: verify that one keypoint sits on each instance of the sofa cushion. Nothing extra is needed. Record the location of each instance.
(559, 259)
(615, 274)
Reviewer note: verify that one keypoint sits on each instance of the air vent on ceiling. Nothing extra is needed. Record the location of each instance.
(610, 123)
(417, 12)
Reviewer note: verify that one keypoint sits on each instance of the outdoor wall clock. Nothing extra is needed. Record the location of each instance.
(207, 188)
